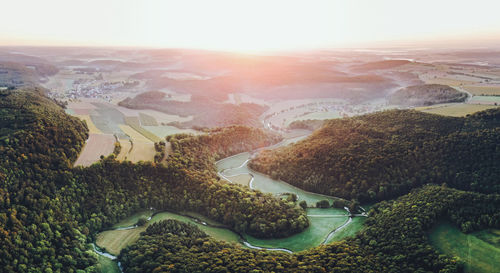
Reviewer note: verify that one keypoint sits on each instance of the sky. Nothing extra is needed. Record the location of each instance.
(253, 25)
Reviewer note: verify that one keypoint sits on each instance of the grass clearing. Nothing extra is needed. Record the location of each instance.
(115, 240)
(478, 255)
(242, 179)
(455, 110)
(349, 231)
(107, 265)
(132, 219)
(314, 235)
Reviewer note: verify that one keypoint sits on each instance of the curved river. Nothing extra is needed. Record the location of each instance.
(326, 225)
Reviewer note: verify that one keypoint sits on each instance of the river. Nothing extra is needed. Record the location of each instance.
(325, 224)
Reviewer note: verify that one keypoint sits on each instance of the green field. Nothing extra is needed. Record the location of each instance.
(147, 120)
(107, 265)
(314, 235)
(478, 255)
(115, 240)
(349, 231)
(485, 99)
(132, 219)
(135, 124)
(455, 110)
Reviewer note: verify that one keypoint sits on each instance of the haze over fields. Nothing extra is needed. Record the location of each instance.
(249, 136)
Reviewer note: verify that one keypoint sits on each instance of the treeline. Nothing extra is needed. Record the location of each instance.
(384, 155)
(49, 212)
(201, 151)
(426, 94)
(394, 240)
(309, 124)
(114, 190)
(38, 144)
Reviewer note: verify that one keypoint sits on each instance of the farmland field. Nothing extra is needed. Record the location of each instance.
(133, 134)
(165, 130)
(483, 90)
(95, 146)
(316, 115)
(455, 110)
(158, 116)
(477, 254)
(485, 100)
(147, 120)
(142, 148)
(142, 151)
(447, 81)
(92, 128)
(134, 123)
(126, 145)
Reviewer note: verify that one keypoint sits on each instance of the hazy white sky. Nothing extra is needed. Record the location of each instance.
(245, 25)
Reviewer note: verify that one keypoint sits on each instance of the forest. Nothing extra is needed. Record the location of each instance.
(384, 155)
(50, 211)
(394, 240)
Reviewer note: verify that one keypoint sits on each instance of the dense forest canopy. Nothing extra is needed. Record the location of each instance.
(394, 240)
(49, 212)
(384, 155)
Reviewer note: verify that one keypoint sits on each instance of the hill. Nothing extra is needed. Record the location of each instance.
(383, 155)
(206, 112)
(385, 64)
(426, 94)
(49, 211)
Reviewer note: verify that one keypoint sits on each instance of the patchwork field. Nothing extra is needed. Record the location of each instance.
(95, 146)
(158, 116)
(92, 128)
(483, 90)
(455, 110)
(316, 115)
(133, 134)
(147, 120)
(142, 147)
(165, 130)
(446, 81)
(478, 255)
(485, 100)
